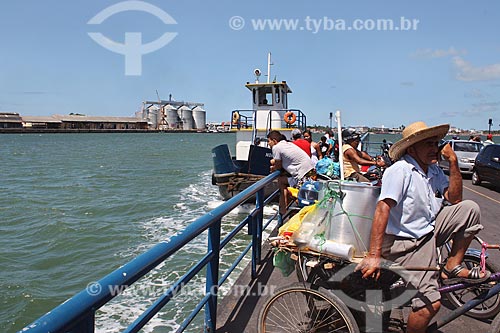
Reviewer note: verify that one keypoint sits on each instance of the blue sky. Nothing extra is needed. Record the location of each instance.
(445, 69)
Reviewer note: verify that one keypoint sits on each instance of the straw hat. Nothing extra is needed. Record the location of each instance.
(414, 133)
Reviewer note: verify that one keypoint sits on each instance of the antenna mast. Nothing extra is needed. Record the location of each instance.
(269, 66)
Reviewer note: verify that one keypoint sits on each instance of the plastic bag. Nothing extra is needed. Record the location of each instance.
(333, 170)
(313, 223)
(326, 166)
(282, 260)
(294, 223)
(322, 166)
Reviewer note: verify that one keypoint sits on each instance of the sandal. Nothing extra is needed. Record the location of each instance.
(473, 277)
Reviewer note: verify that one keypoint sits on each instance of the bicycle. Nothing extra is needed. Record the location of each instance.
(313, 304)
(458, 298)
(300, 309)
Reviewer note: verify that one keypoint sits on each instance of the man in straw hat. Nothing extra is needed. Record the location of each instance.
(411, 219)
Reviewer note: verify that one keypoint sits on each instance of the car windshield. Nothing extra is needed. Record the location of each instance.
(468, 146)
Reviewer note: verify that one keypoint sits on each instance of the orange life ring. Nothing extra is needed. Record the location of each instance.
(290, 117)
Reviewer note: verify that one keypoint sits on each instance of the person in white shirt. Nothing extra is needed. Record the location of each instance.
(489, 140)
(291, 159)
(411, 220)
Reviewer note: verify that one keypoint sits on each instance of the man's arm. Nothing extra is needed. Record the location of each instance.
(370, 266)
(276, 165)
(454, 192)
(329, 150)
(353, 155)
(315, 145)
(365, 155)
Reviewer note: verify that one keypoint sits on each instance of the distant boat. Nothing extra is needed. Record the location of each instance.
(270, 111)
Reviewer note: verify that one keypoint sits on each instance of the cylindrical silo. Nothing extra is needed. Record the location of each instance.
(172, 116)
(199, 118)
(153, 116)
(186, 115)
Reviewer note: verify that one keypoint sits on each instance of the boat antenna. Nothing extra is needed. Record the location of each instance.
(269, 66)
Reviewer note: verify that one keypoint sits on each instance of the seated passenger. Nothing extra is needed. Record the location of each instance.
(409, 223)
(353, 158)
(293, 160)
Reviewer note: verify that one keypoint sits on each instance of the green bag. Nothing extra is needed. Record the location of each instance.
(282, 259)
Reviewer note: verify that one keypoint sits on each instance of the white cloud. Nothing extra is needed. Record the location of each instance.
(448, 114)
(482, 108)
(467, 72)
(431, 54)
(475, 93)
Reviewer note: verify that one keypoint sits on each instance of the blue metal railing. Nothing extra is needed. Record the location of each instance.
(77, 314)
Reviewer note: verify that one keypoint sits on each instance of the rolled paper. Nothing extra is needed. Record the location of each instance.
(345, 251)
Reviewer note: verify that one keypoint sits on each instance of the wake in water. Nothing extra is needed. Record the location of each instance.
(188, 205)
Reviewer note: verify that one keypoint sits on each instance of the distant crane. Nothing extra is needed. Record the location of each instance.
(163, 121)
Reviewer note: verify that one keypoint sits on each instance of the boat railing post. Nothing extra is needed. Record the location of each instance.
(257, 231)
(212, 278)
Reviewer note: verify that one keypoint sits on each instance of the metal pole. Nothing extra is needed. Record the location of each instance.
(268, 66)
(257, 221)
(339, 137)
(212, 277)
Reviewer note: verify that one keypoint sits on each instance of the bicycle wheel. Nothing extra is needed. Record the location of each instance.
(486, 310)
(297, 308)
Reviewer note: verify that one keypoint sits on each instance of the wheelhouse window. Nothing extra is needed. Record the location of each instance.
(277, 95)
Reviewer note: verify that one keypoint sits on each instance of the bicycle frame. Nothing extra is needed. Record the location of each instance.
(469, 304)
(483, 297)
(472, 303)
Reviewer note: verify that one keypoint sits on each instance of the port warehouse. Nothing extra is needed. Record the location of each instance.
(149, 119)
(163, 115)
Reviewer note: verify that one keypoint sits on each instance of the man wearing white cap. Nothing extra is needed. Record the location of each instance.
(411, 219)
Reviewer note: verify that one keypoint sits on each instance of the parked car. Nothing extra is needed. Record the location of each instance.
(466, 153)
(487, 166)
